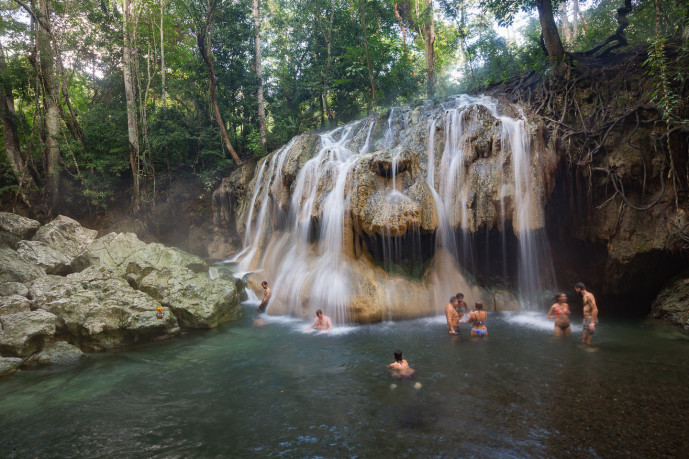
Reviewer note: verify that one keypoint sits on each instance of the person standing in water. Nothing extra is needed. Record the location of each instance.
(478, 320)
(321, 323)
(462, 307)
(559, 312)
(266, 297)
(590, 313)
(451, 316)
(400, 368)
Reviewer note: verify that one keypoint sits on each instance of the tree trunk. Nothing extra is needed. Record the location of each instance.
(259, 75)
(129, 89)
(429, 40)
(51, 152)
(9, 131)
(553, 45)
(162, 52)
(371, 75)
(566, 25)
(204, 48)
(575, 22)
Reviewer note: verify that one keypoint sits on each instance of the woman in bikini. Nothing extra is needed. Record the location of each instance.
(559, 312)
(478, 320)
(400, 368)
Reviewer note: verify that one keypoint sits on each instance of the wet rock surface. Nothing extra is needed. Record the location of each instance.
(65, 292)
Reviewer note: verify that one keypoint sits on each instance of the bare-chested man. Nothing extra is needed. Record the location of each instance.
(321, 323)
(266, 297)
(590, 313)
(452, 316)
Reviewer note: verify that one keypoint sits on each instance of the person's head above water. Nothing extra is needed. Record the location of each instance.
(319, 313)
(398, 355)
(479, 305)
(560, 297)
(264, 283)
(579, 286)
(460, 296)
(453, 299)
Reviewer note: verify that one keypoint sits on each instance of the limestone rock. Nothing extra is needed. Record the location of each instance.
(13, 288)
(21, 227)
(99, 310)
(9, 365)
(24, 333)
(116, 251)
(65, 235)
(672, 303)
(196, 300)
(13, 268)
(41, 254)
(13, 304)
(59, 353)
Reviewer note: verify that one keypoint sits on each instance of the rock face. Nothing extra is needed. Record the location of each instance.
(673, 301)
(14, 228)
(24, 333)
(65, 292)
(368, 220)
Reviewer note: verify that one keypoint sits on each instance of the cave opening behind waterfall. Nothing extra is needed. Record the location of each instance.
(409, 254)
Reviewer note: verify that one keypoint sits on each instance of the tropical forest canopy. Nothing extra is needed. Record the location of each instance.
(109, 98)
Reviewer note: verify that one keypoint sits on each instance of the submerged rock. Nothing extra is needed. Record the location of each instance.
(98, 310)
(9, 365)
(26, 332)
(59, 353)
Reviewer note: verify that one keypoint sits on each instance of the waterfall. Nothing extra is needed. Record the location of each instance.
(314, 252)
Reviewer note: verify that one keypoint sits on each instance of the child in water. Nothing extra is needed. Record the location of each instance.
(400, 368)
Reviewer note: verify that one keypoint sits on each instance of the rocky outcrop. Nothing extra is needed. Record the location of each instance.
(65, 292)
(55, 354)
(65, 235)
(14, 228)
(98, 310)
(673, 301)
(23, 333)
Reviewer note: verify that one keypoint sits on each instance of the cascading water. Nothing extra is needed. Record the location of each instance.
(342, 204)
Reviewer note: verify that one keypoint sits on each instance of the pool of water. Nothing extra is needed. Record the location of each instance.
(262, 388)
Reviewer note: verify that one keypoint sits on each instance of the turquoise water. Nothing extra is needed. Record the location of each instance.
(251, 389)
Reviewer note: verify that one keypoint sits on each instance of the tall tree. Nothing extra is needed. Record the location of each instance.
(371, 72)
(202, 13)
(128, 56)
(9, 129)
(259, 74)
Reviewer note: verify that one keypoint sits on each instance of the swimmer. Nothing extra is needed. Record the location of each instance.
(321, 323)
(266, 297)
(478, 320)
(400, 368)
(590, 313)
(559, 312)
(462, 308)
(452, 317)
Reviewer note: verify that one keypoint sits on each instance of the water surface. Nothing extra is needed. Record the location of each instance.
(253, 389)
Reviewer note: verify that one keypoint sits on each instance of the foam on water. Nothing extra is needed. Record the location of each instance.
(534, 319)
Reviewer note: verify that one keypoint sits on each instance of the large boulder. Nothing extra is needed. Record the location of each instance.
(97, 310)
(24, 333)
(672, 303)
(9, 365)
(116, 251)
(55, 354)
(14, 228)
(197, 300)
(13, 268)
(13, 304)
(13, 288)
(41, 254)
(65, 235)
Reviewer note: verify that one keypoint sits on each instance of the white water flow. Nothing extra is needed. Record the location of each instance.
(309, 254)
